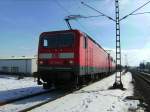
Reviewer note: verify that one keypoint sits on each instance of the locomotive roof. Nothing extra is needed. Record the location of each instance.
(59, 31)
(17, 58)
(77, 31)
(95, 42)
(74, 30)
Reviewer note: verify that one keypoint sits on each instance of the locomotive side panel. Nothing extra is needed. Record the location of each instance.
(93, 59)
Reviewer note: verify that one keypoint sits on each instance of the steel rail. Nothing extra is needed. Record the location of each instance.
(2, 103)
(140, 75)
(43, 103)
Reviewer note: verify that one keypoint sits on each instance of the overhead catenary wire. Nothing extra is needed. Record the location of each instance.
(83, 27)
(87, 12)
(62, 7)
(132, 13)
(91, 16)
(65, 10)
(141, 13)
(98, 11)
(69, 13)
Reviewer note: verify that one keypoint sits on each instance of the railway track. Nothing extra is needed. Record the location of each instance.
(42, 103)
(144, 77)
(32, 101)
(142, 84)
(22, 98)
(147, 75)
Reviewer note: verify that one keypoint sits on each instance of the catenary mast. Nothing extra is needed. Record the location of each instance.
(118, 82)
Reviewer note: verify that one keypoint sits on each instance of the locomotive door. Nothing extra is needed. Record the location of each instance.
(86, 55)
(109, 61)
(86, 61)
(91, 60)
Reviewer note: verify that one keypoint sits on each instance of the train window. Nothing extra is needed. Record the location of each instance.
(85, 42)
(58, 40)
(45, 43)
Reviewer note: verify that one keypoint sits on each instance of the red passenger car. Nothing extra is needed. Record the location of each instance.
(71, 57)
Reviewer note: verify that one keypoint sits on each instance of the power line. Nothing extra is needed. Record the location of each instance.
(87, 13)
(83, 27)
(141, 13)
(98, 11)
(132, 13)
(91, 16)
(61, 6)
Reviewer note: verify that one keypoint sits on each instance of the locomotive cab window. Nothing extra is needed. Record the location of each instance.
(45, 43)
(58, 40)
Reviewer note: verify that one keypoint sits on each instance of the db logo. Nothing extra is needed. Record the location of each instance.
(55, 55)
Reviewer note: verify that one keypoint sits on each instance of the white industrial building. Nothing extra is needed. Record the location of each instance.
(25, 65)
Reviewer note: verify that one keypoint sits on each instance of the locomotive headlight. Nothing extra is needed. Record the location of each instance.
(70, 62)
(41, 62)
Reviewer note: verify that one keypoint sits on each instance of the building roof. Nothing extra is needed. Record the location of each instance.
(18, 58)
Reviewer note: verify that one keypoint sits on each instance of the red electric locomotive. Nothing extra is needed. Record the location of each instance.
(71, 58)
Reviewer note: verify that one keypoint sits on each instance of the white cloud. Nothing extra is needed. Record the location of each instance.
(134, 56)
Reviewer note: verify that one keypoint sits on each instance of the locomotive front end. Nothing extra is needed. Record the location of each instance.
(57, 57)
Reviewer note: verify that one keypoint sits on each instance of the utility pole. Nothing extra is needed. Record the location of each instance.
(118, 82)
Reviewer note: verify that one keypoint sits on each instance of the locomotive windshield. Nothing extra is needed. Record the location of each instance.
(58, 40)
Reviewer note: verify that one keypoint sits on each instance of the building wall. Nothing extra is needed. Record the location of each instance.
(34, 65)
(17, 65)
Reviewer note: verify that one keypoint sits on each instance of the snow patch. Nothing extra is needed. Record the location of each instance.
(11, 87)
(96, 98)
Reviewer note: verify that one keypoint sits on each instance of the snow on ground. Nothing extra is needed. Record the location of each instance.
(96, 98)
(19, 106)
(11, 87)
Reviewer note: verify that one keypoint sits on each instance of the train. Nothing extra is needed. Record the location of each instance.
(71, 58)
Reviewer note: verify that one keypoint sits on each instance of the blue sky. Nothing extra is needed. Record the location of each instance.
(22, 21)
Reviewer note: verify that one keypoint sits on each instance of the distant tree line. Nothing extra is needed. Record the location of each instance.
(144, 66)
